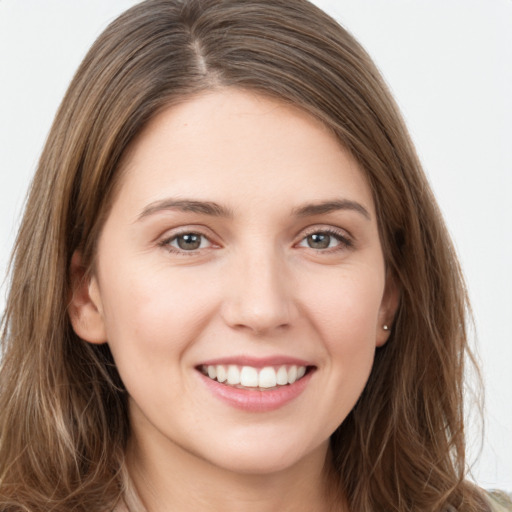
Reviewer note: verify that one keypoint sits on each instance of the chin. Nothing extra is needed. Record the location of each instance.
(264, 458)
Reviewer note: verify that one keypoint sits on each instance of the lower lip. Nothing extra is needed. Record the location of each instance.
(254, 400)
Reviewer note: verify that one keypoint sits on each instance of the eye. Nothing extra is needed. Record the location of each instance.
(325, 239)
(186, 242)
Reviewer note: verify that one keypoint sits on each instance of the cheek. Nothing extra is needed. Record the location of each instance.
(154, 312)
(344, 315)
(346, 308)
(152, 321)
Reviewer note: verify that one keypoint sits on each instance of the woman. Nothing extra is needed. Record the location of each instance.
(232, 288)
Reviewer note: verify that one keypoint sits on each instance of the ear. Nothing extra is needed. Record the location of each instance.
(388, 309)
(85, 308)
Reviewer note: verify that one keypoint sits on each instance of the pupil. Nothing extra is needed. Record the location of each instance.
(189, 242)
(319, 241)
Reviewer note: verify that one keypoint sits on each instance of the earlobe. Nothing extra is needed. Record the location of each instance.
(85, 311)
(388, 309)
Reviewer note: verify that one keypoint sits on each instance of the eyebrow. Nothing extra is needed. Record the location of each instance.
(186, 205)
(216, 210)
(324, 207)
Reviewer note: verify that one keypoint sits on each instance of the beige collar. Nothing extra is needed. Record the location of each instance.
(131, 501)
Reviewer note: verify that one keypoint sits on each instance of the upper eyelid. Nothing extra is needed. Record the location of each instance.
(324, 228)
(174, 236)
(172, 233)
(167, 244)
(210, 236)
(345, 239)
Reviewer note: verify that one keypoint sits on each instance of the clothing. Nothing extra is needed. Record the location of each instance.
(131, 501)
(500, 502)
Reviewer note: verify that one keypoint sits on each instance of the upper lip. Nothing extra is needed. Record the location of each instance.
(257, 362)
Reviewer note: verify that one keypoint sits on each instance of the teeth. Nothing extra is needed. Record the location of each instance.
(233, 375)
(282, 376)
(250, 377)
(267, 378)
(221, 373)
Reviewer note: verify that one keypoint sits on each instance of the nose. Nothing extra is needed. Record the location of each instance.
(259, 294)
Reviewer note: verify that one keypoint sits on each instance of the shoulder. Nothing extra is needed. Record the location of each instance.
(500, 501)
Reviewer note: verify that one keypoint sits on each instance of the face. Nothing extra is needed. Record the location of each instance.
(239, 282)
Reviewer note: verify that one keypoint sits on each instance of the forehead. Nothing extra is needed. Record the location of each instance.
(240, 148)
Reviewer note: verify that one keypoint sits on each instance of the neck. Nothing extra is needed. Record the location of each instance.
(179, 479)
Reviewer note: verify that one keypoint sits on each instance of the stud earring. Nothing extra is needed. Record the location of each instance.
(385, 327)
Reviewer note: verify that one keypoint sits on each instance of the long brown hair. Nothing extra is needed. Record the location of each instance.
(63, 408)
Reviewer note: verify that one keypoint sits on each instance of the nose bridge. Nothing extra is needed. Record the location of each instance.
(260, 295)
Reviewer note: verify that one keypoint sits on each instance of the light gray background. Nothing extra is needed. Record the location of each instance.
(449, 64)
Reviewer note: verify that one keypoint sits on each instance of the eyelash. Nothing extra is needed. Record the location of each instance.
(166, 243)
(344, 241)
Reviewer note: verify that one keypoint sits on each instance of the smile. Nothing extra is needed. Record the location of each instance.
(268, 377)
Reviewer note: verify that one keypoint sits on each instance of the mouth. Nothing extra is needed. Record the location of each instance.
(256, 385)
(254, 378)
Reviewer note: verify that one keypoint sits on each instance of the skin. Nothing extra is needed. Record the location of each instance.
(254, 287)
